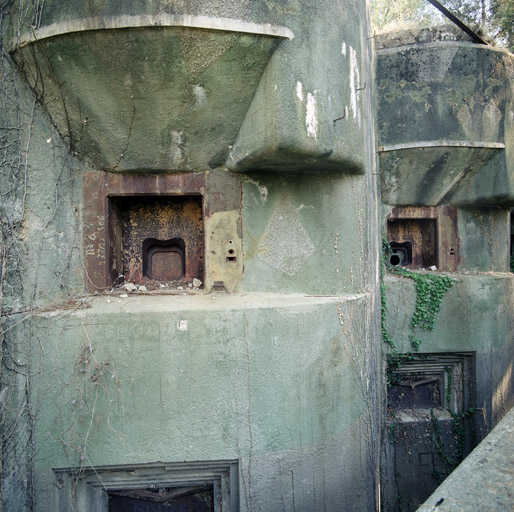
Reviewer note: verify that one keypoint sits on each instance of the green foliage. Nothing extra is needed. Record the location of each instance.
(492, 17)
(459, 431)
(448, 461)
(503, 18)
(471, 12)
(430, 290)
(392, 432)
(386, 252)
(438, 443)
(386, 335)
(414, 342)
(387, 12)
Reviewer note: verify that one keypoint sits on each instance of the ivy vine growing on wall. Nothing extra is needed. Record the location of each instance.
(430, 292)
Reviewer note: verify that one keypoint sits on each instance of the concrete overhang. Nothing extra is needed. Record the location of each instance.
(443, 119)
(431, 172)
(148, 93)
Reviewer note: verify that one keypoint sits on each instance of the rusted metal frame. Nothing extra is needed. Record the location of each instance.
(458, 22)
(99, 216)
(221, 196)
(141, 186)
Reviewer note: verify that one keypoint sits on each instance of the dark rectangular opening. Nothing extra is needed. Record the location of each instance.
(155, 239)
(163, 499)
(416, 392)
(431, 381)
(401, 254)
(164, 260)
(200, 486)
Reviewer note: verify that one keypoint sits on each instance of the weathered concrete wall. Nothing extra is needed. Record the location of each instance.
(484, 479)
(484, 239)
(281, 374)
(43, 184)
(476, 318)
(444, 126)
(39, 248)
(444, 121)
(284, 247)
(267, 379)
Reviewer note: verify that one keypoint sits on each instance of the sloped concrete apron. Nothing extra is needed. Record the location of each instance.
(484, 480)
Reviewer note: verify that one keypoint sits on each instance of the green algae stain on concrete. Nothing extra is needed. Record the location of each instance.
(440, 92)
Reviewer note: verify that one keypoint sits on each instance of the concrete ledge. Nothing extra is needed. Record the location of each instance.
(485, 479)
(196, 301)
(441, 144)
(440, 45)
(161, 20)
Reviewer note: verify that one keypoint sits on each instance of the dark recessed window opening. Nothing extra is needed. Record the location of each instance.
(156, 239)
(416, 392)
(167, 499)
(199, 486)
(413, 242)
(428, 382)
